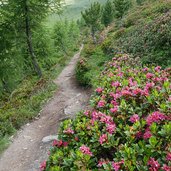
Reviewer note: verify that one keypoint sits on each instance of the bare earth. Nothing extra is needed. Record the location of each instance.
(27, 150)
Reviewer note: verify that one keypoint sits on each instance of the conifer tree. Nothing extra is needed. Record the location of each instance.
(108, 13)
(92, 17)
(121, 7)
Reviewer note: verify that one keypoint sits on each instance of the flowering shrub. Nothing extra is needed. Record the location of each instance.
(128, 128)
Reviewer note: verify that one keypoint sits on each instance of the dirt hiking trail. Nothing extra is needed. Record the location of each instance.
(28, 150)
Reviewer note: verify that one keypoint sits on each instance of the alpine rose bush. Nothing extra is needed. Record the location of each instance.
(128, 127)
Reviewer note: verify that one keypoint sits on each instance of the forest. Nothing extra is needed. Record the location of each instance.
(120, 52)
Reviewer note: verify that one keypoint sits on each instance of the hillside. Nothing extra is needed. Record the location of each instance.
(124, 66)
(72, 10)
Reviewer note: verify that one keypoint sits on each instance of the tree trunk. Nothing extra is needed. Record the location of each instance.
(93, 35)
(29, 42)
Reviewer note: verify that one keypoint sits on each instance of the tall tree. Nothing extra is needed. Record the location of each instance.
(121, 7)
(108, 13)
(92, 17)
(27, 16)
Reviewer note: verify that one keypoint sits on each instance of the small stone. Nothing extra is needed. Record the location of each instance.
(28, 124)
(49, 138)
(25, 148)
(64, 118)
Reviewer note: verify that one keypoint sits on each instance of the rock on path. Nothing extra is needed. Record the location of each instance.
(27, 150)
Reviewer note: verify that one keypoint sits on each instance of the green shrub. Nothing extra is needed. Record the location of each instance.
(151, 41)
(82, 69)
(128, 127)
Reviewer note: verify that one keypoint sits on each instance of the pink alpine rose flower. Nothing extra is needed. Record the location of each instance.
(134, 118)
(158, 68)
(99, 90)
(147, 135)
(154, 165)
(101, 103)
(68, 131)
(111, 128)
(57, 143)
(155, 117)
(168, 157)
(117, 165)
(43, 166)
(166, 168)
(116, 84)
(114, 110)
(103, 138)
(86, 150)
(149, 75)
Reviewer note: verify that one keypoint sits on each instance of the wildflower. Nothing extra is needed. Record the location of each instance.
(106, 119)
(149, 85)
(145, 92)
(145, 69)
(68, 131)
(57, 143)
(120, 74)
(126, 93)
(169, 99)
(154, 165)
(115, 103)
(101, 162)
(149, 75)
(103, 138)
(101, 103)
(95, 115)
(117, 165)
(43, 166)
(137, 91)
(86, 150)
(87, 113)
(114, 110)
(168, 157)
(99, 90)
(116, 84)
(147, 135)
(134, 118)
(158, 68)
(138, 135)
(155, 117)
(166, 168)
(111, 128)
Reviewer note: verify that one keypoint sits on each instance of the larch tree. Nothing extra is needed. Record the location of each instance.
(121, 7)
(26, 18)
(108, 13)
(92, 17)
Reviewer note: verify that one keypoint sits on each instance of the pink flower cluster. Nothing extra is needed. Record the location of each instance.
(154, 165)
(134, 118)
(168, 157)
(43, 166)
(101, 103)
(111, 128)
(117, 165)
(101, 162)
(155, 117)
(86, 150)
(99, 90)
(59, 143)
(116, 84)
(103, 138)
(68, 131)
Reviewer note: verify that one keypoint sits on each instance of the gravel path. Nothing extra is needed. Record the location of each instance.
(27, 150)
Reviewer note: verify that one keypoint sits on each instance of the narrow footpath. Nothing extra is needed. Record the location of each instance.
(31, 144)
